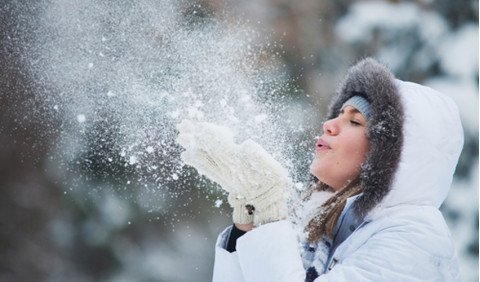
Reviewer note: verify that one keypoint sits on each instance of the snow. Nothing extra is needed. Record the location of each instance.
(218, 203)
(132, 160)
(260, 118)
(175, 176)
(307, 210)
(81, 118)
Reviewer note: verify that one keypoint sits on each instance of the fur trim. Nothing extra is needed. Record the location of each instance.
(377, 84)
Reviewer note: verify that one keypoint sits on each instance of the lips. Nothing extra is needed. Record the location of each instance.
(321, 146)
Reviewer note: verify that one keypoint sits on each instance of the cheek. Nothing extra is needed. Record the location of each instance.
(354, 154)
(357, 154)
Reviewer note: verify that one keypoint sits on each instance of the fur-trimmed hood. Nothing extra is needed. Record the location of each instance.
(415, 136)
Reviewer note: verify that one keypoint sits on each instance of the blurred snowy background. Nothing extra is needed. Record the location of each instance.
(90, 91)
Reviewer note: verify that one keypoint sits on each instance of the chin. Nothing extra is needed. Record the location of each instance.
(316, 168)
(319, 173)
(315, 172)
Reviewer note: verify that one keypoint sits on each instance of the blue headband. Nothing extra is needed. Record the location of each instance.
(361, 104)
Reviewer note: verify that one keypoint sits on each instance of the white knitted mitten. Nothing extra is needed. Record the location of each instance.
(256, 183)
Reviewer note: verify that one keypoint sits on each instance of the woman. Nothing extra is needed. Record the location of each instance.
(388, 154)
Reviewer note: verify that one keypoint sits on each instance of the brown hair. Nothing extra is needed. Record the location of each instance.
(325, 221)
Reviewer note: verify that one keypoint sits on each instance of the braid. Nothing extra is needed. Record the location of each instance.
(325, 221)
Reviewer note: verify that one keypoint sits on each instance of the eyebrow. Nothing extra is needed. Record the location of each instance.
(352, 109)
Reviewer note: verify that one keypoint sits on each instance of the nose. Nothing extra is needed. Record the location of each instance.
(330, 127)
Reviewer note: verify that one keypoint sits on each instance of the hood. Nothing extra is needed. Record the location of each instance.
(415, 138)
(433, 141)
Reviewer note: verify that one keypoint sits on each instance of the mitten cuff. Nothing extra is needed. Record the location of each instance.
(270, 206)
(240, 213)
(271, 213)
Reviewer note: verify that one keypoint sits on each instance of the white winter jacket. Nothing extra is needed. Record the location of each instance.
(404, 238)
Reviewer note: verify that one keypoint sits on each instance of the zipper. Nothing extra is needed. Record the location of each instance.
(333, 263)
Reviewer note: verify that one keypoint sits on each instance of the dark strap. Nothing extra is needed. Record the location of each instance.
(235, 233)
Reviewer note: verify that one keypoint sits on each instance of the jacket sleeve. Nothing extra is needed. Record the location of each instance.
(271, 253)
(226, 266)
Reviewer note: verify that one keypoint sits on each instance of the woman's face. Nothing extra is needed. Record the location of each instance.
(341, 149)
